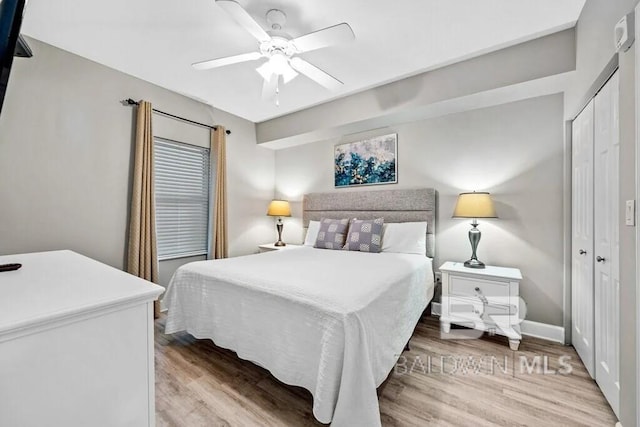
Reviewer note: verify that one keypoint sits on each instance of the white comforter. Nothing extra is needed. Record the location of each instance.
(333, 322)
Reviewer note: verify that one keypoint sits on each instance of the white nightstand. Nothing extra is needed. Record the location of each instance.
(485, 299)
(268, 247)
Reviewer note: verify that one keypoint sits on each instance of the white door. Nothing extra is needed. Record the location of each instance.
(606, 243)
(582, 334)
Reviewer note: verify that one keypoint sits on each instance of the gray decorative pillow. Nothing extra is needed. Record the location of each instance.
(365, 235)
(332, 233)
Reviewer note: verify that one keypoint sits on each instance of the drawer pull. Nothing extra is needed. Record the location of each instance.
(482, 298)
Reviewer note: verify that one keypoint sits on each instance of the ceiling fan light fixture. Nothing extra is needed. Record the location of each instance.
(279, 63)
(265, 70)
(289, 74)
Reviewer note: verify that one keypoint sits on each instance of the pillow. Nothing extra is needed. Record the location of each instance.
(332, 233)
(312, 233)
(405, 237)
(365, 235)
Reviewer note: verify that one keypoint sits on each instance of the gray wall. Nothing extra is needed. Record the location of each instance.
(594, 50)
(66, 152)
(515, 151)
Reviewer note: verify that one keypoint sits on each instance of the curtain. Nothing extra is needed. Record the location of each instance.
(142, 257)
(218, 247)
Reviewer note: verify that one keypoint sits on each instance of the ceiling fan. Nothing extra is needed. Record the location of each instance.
(281, 50)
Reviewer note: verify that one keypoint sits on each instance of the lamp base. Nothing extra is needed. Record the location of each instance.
(474, 263)
(474, 238)
(279, 227)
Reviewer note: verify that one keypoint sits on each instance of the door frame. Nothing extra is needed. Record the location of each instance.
(637, 102)
(567, 302)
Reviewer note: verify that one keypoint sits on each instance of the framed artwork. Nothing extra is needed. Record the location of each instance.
(367, 162)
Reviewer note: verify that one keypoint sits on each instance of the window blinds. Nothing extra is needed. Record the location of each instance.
(182, 199)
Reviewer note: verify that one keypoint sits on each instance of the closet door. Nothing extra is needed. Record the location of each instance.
(606, 222)
(582, 305)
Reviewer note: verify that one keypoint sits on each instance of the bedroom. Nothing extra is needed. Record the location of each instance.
(66, 150)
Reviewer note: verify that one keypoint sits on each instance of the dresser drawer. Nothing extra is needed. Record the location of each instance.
(460, 285)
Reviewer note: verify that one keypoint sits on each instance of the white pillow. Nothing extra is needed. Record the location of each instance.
(312, 233)
(405, 237)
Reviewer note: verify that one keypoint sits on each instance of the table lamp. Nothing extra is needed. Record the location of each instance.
(279, 208)
(474, 205)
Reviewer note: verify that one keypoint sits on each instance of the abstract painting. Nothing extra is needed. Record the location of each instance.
(367, 162)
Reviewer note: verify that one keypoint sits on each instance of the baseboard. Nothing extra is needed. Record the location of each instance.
(542, 330)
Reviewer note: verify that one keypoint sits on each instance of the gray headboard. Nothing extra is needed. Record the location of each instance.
(394, 205)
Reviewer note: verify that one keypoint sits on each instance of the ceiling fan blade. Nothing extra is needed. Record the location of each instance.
(244, 19)
(227, 60)
(315, 73)
(270, 87)
(329, 36)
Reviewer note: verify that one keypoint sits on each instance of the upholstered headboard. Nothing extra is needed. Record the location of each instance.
(394, 205)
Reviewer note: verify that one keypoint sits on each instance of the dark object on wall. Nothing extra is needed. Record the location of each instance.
(22, 48)
(10, 21)
(9, 267)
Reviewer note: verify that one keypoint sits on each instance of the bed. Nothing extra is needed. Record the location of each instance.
(331, 321)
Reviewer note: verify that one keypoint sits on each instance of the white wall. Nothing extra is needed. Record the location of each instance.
(66, 151)
(514, 151)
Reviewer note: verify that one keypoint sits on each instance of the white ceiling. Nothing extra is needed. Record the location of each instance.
(157, 40)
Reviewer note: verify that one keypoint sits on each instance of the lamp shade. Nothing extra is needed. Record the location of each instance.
(279, 208)
(474, 205)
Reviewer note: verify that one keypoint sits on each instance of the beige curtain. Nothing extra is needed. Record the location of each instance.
(218, 242)
(142, 257)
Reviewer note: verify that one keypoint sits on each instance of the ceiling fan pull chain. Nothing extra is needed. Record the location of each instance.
(278, 92)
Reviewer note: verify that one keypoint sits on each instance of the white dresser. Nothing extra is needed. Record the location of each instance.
(76, 343)
(486, 299)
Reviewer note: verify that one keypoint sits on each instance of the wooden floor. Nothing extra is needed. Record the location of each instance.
(438, 382)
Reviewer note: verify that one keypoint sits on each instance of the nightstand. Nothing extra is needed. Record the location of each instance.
(268, 247)
(486, 299)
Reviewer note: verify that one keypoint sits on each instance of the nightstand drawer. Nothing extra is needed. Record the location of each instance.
(464, 306)
(466, 286)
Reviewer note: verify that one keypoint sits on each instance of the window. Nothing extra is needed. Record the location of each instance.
(182, 199)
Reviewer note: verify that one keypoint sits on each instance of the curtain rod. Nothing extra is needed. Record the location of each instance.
(173, 116)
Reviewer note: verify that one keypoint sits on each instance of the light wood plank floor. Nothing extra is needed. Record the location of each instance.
(199, 384)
